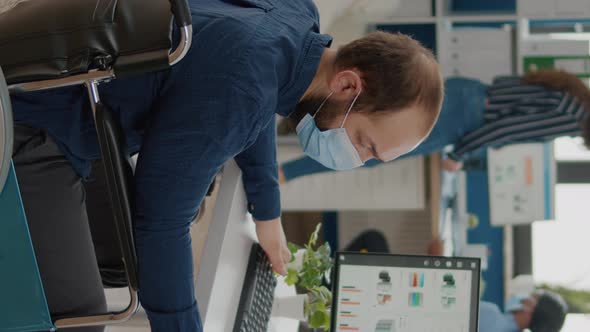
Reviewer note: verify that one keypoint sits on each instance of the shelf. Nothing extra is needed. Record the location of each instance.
(405, 20)
(480, 18)
(580, 16)
(475, 18)
(450, 18)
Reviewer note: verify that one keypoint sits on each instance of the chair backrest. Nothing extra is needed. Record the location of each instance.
(5, 131)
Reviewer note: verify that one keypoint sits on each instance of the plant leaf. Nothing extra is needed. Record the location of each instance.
(324, 250)
(292, 277)
(293, 249)
(317, 319)
(324, 294)
(314, 236)
(328, 317)
(316, 265)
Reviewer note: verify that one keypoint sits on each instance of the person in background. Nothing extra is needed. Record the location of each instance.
(542, 311)
(538, 107)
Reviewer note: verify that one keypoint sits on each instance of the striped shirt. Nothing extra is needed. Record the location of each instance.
(516, 112)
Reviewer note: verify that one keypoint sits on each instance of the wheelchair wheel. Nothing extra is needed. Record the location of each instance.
(5, 131)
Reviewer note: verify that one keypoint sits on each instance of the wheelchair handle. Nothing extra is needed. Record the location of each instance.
(183, 19)
(182, 13)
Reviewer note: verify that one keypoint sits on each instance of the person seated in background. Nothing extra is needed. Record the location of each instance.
(538, 107)
(542, 311)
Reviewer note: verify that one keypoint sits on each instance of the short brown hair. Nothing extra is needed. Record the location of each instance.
(397, 72)
(563, 81)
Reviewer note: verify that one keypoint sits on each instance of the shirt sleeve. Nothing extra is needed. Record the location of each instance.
(194, 129)
(260, 175)
(517, 127)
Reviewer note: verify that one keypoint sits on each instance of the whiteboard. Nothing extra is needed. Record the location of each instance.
(521, 181)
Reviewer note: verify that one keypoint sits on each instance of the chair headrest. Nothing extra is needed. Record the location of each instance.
(6, 128)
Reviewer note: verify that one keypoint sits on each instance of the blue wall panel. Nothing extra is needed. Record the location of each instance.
(484, 5)
(425, 33)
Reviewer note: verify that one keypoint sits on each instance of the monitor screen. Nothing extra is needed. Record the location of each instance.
(394, 293)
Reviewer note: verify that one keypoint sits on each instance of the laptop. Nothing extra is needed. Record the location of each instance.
(400, 293)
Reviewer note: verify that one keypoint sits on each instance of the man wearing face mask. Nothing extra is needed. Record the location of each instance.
(377, 97)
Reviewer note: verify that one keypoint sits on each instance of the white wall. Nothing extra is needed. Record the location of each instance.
(346, 20)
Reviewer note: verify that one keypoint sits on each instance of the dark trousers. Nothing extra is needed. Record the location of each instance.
(58, 206)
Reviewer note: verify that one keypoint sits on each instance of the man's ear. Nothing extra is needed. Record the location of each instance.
(346, 84)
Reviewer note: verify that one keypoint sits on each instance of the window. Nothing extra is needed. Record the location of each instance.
(571, 149)
(559, 246)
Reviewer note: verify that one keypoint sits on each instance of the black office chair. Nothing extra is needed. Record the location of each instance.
(47, 44)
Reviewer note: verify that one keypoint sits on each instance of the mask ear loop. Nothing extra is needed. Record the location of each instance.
(322, 104)
(350, 108)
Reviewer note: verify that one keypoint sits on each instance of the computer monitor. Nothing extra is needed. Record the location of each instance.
(399, 293)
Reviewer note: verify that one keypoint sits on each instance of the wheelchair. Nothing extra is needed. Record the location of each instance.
(56, 43)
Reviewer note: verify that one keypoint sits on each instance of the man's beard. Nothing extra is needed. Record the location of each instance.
(324, 119)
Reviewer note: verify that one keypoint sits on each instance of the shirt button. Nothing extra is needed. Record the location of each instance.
(251, 208)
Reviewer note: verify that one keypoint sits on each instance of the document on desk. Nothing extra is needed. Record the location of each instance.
(397, 185)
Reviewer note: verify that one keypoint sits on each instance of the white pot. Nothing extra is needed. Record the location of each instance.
(298, 262)
(290, 307)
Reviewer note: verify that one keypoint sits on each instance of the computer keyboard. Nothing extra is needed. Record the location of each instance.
(257, 295)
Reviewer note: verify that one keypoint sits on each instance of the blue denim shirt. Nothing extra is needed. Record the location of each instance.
(236, 47)
(250, 60)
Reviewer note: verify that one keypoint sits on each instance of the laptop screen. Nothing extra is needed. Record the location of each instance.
(395, 293)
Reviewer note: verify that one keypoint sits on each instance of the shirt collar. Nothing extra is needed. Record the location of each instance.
(311, 55)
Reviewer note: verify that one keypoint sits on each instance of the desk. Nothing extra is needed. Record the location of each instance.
(225, 258)
(434, 161)
(448, 207)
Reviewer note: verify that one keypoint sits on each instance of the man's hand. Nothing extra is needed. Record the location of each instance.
(282, 178)
(272, 239)
(436, 247)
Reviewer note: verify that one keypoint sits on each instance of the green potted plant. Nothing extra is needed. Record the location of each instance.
(309, 267)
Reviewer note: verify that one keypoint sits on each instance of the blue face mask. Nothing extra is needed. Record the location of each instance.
(331, 148)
